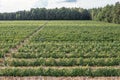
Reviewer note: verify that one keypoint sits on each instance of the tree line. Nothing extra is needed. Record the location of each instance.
(48, 14)
(109, 13)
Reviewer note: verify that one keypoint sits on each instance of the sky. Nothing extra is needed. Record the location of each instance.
(18, 5)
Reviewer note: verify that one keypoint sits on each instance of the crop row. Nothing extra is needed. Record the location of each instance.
(62, 55)
(59, 72)
(84, 46)
(65, 62)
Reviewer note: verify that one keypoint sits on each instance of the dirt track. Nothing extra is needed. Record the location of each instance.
(59, 78)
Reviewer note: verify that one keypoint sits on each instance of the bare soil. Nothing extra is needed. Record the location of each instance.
(59, 78)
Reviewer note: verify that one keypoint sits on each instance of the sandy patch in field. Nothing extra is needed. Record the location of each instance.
(59, 78)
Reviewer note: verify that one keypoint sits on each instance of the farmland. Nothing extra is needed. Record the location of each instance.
(60, 48)
(13, 32)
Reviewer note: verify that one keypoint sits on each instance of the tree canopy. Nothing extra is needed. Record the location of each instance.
(48, 14)
(109, 13)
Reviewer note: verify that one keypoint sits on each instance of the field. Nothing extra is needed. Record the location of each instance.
(59, 48)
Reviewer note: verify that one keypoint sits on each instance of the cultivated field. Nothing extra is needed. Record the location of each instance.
(59, 48)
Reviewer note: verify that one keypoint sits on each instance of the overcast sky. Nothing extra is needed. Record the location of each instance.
(17, 5)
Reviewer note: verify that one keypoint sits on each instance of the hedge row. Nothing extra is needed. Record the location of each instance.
(59, 72)
(63, 55)
(65, 62)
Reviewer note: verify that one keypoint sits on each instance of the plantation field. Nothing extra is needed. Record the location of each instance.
(60, 48)
(13, 32)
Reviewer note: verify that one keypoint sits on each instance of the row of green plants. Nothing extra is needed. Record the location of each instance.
(67, 47)
(60, 72)
(65, 62)
(28, 55)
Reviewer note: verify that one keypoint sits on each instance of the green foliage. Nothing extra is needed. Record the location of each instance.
(48, 14)
(62, 48)
(12, 33)
(65, 62)
(110, 13)
(59, 72)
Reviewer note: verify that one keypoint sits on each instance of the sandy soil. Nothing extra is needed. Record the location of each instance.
(59, 78)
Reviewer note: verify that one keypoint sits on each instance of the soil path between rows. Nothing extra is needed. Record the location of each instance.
(59, 78)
